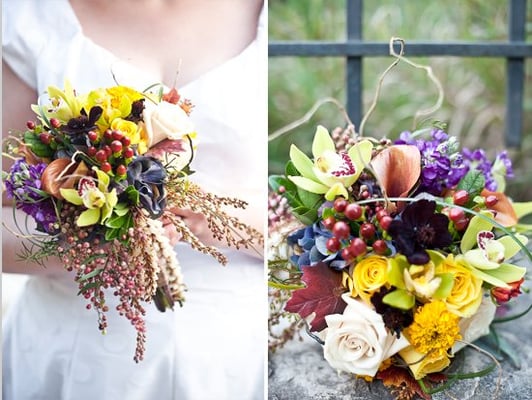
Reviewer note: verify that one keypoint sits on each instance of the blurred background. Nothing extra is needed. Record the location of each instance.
(474, 104)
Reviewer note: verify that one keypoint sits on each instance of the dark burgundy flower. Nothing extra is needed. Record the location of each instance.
(147, 175)
(420, 228)
(394, 319)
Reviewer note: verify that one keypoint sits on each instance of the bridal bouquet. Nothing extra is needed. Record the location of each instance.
(100, 174)
(396, 254)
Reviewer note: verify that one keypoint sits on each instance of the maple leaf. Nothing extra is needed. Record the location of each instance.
(322, 295)
(403, 384)
(172, 96)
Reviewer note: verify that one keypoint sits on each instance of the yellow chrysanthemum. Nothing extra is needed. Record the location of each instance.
(434, 330)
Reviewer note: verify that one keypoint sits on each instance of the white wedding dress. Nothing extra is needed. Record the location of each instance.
(214, 346)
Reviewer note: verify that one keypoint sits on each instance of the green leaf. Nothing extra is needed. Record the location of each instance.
(400, 298)
(39, 148)
(310, 200)
(305, 215)
(446, 285)
(117, 222)
(133, 195)
(88, 286)
(472, 183)
(290, 169)
(90, 274)
(111, 234)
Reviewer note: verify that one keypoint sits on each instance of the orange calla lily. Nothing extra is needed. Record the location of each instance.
(398, 169)
(504, 211)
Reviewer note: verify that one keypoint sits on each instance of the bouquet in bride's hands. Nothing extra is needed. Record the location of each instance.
(100, 174)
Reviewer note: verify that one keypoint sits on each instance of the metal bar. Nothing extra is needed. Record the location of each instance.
(354, 63)
(518, 48)
(515, 74)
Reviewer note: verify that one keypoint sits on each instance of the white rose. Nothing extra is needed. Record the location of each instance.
(478, 325)
(165, 121)
(357, 340)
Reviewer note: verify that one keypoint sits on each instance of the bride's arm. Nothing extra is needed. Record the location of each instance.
(16, 100)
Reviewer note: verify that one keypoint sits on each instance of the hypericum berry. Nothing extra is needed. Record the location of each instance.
(126, 141)
(328, 223)
(55, 123)
(107, 150)
(116, 146)
(45, 137)
(30, 125)
(281, 189)
(128, 152)
(341, 230)
(108, 135)
(461, 224)
(93, 136)
(117, 135)
(353, 211)
(333, 244)
(106, 167)
(491, 200)
(340, 204)
(385, 222)
(101, 155)
(380, 247)
(367, 230)
(91, 151)
(121, 170)
(460, 197)
(357, 247)
(347, 255)
(456, 214)
(364, 195)
(381, 213)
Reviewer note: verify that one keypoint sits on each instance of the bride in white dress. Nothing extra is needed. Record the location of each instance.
(213, 347)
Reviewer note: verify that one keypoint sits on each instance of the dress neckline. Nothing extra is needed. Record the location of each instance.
(137, 70)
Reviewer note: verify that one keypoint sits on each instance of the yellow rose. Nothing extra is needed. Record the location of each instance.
(466, 294)
(131, 130)
(369, 275)
(420, 365)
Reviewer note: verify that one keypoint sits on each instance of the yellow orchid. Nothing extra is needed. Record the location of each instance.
(95, 197)
(65, 103)
(331, 173)
(487, 261)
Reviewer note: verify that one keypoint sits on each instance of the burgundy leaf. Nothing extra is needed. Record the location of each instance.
(322, 295)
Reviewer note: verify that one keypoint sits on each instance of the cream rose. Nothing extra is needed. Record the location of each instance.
(357, 340)
(478, 325)
(466, 294)
(165, 121)
(421, 365)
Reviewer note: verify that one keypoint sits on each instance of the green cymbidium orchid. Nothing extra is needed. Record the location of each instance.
(416, 281)
(487, 261)
(98, 200)
(331, 173)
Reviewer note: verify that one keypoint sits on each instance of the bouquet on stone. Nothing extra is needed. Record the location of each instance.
(99, 173)
(396, 254)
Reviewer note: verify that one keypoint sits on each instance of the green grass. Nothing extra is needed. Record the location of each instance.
(474, 105)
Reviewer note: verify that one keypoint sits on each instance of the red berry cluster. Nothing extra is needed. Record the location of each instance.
(111, 150)
(353, 232)
(458, 216)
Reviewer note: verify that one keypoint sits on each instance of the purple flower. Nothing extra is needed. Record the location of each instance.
(442, 166)
(23, 184)
(478, 160)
